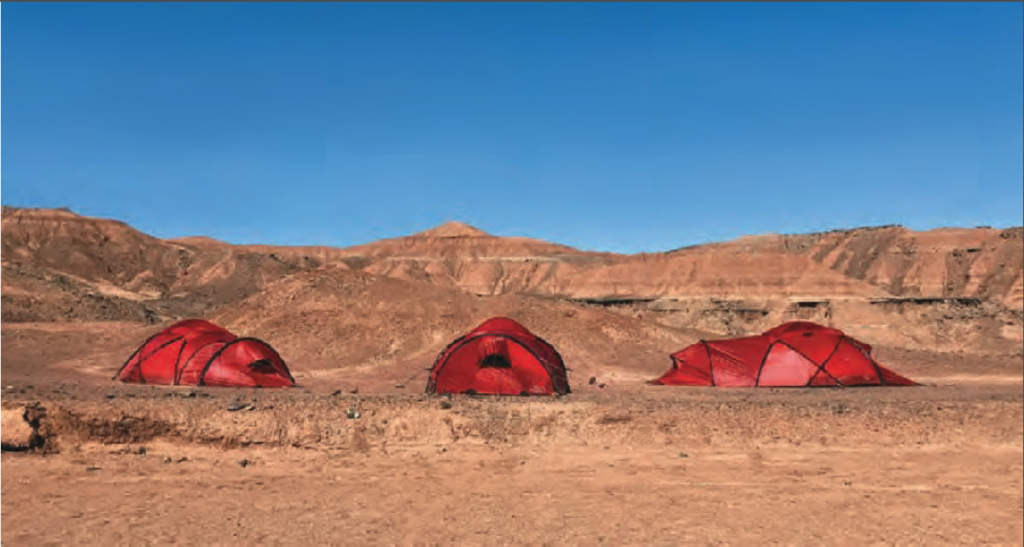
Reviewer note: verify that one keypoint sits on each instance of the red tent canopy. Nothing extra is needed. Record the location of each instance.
(500, 357)
(793, 354)
(195, 352)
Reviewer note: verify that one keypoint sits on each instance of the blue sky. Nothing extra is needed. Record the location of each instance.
(622, 127)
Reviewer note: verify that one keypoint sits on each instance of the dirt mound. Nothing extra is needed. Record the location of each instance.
(337, 324)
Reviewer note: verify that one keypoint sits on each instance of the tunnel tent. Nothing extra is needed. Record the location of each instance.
(196, 352)
(795, 354)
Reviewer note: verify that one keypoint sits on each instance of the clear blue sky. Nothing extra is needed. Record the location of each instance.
(621, 127)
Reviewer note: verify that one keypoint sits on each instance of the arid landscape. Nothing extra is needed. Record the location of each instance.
(358, 455)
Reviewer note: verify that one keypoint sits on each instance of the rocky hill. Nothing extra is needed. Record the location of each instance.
(948, 289)
(337, 321)
(61, 266)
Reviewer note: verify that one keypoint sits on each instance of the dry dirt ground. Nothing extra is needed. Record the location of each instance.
(939, 464)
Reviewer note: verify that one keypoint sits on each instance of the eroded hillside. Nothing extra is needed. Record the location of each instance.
(947, 289)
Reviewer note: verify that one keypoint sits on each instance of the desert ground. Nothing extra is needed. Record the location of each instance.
(359, 455)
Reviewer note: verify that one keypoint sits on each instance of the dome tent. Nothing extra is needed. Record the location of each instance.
(791, 355)
(196, 352)
(499, 357)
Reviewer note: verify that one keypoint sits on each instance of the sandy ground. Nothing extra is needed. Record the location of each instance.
(814, 495)
(921, 466)
(939, 464)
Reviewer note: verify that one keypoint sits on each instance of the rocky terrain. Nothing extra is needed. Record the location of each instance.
(358, 455)
(946, 289)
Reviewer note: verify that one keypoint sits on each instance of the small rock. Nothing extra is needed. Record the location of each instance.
(182, 459)
(353, 414)
(400, 386)
(141, 451)
(600, 386)
(236, 405)
(167, 459)
(111, 395)
(593, 380)
(188, 395)
(92, 468)
(354, 390)
(445, 405)
(245, 462)
(336, 393)
(17, 432)
(684, 455)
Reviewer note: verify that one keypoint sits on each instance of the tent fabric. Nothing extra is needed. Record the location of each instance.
(196, 352)
(794, 354)
(499, 357)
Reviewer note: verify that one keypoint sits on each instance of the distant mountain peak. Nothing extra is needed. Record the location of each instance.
(453, 228)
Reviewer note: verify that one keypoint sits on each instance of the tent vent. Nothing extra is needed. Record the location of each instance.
(495, 360)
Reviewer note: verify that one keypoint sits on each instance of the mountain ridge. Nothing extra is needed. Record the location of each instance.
(60, 266)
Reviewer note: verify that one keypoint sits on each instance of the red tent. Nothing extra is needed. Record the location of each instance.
(195, 352)
(792, 354)
(500, 357)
